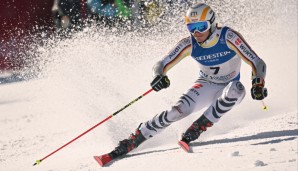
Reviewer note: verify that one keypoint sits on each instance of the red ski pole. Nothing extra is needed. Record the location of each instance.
(39, 161)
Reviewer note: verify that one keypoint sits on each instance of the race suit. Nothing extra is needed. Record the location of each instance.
(218, 86)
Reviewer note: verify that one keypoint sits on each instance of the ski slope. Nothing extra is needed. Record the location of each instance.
(84, 79)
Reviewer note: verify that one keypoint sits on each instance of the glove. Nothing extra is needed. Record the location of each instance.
(258, 91)
(160, 82)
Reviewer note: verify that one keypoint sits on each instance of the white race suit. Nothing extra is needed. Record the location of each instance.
(218, 86)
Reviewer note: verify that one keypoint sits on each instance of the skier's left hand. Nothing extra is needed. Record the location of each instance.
(258, 91)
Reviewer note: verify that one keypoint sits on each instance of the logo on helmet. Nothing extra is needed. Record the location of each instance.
(194, 14)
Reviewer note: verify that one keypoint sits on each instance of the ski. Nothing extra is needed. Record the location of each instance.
(103, 160)
(184, 146)
(106, 159)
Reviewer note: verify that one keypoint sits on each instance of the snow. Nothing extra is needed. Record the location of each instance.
(94, 74)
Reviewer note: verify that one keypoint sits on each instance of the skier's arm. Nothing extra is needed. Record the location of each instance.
(237, 43)
(179, 52)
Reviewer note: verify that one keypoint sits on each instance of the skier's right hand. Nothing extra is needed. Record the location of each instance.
(160, 82)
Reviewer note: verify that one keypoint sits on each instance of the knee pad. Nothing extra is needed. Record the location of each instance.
(235, 90)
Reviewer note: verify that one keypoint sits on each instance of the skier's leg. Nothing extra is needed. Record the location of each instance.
(200, 95)
(231, 95)
(154, 126)
(197, 97)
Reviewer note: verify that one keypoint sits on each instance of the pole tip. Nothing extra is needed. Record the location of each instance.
(265, 107)
(37, 162)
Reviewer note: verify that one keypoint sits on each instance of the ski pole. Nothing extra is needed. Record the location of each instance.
(39, 161)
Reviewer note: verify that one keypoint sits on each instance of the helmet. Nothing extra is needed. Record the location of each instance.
(201, 12)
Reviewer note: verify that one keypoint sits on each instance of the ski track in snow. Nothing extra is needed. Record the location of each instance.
(88, 77)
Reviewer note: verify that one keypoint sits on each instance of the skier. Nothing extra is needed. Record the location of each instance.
(218, 52)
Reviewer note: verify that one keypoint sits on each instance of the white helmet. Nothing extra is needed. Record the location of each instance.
(201, 12)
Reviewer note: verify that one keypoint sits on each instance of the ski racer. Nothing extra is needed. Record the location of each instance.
(218, 52)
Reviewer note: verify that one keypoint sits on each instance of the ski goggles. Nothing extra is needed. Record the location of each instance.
(201, 26)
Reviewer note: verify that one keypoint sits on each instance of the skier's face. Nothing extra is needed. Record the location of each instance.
(201, 37)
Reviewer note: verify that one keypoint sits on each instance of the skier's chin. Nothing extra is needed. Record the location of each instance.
(200, 39)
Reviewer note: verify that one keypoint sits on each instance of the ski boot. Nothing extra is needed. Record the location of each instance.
(123, 148)
(127, 145)
(194, 131)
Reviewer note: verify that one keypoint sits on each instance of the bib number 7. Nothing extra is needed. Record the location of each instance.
(216, 70)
